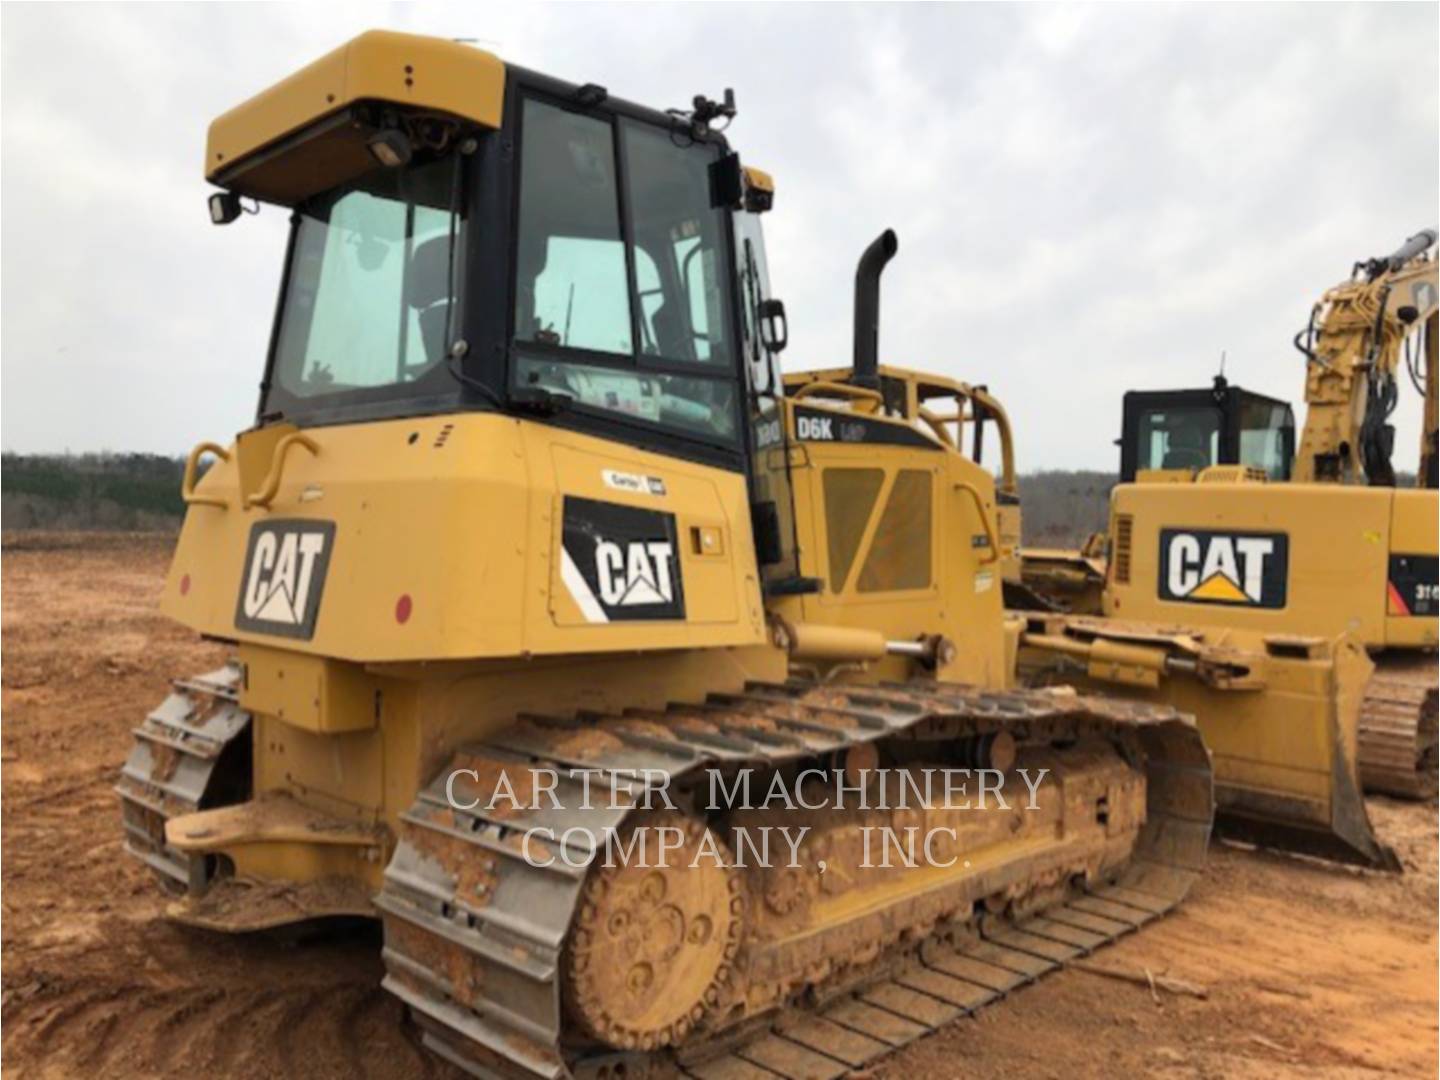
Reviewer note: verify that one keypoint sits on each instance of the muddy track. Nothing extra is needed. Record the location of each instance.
(1309, 971)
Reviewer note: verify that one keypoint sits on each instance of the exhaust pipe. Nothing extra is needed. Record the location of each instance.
(866, 362)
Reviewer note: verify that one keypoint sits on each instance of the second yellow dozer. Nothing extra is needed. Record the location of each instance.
(1223, 518)
(531, 548)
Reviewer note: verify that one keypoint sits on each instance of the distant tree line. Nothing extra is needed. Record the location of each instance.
(142, 491)
(1060, 508)
(90, 491)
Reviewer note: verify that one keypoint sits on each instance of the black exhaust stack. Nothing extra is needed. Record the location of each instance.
(867, 308)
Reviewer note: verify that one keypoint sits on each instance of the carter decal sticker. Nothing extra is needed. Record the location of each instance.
(285, 567)
(621, 563)
(633, 482)
(1198, 566)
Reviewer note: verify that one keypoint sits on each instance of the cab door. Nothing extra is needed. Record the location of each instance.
(773, 503)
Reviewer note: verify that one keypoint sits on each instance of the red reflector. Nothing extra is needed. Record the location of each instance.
(403, 607)
(185, 585)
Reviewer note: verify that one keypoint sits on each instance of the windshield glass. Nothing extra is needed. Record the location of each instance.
(628, 317)
(1184, 437)
(1267, 437)
(367, 303)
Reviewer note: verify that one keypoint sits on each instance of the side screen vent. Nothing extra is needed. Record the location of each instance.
(850, 496)
(899, 556)
(1124, 527)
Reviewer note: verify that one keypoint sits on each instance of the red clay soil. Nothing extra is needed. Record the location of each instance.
(1309, 970)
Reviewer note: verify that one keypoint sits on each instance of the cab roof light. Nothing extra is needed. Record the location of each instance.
(226, 206)
(391, 148)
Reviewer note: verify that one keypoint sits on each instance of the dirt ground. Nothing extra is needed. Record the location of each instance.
(1310, 970)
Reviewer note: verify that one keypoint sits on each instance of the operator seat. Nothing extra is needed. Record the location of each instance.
(428, 293)
(1187, 447)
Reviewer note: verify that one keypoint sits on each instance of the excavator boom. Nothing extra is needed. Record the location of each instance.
(1361, 339)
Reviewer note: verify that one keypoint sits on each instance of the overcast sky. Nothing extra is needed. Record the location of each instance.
(1088, 199)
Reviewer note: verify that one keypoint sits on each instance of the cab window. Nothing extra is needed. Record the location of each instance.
(367, 303)
(1187, 437)
(627, 317)
(1267, 437)
(572, 282)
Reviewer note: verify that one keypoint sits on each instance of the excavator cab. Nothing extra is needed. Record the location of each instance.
(1175, 434)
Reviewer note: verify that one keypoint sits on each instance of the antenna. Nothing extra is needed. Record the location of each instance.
(1218, 389)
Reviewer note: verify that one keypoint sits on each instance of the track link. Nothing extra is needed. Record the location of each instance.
(192, 752)
(1398, 743)
(476, 934)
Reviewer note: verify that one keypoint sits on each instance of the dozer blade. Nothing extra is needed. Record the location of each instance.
(1279, 715)
(569, 962)
(1058, 579)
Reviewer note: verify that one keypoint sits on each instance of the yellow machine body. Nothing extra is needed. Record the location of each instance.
(245, 149)
(411, 657)
(482, 497)
(1245, 526)
(1337, 545)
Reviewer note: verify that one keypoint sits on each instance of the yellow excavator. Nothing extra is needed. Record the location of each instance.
(1221, 520)
(531, 547)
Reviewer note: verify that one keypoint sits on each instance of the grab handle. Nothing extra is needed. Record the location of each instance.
(266, 494)
(192, 466)
(974, 493)
(847, 390)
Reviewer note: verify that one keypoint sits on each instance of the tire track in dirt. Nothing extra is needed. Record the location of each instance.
(96, 981)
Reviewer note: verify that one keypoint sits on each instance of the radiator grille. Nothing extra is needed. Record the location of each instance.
(1124, 526)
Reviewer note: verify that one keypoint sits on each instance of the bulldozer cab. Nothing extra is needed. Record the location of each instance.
(1174, 434)
(518, 244)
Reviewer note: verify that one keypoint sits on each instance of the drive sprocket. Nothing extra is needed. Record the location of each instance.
(655, 935)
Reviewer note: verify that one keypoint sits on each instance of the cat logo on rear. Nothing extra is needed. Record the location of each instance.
(1200, 566)
(621, 563)
(285, 567)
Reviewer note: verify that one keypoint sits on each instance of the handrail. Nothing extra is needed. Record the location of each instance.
(842, 389)
(192, 466)
(995, 411)
(266, 493)
(990, 538)
(937, 425)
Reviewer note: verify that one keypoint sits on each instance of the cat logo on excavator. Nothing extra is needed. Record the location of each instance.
(1205, 567)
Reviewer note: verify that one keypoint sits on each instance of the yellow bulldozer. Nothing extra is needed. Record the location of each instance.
(532, 546)
(1222, 520)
